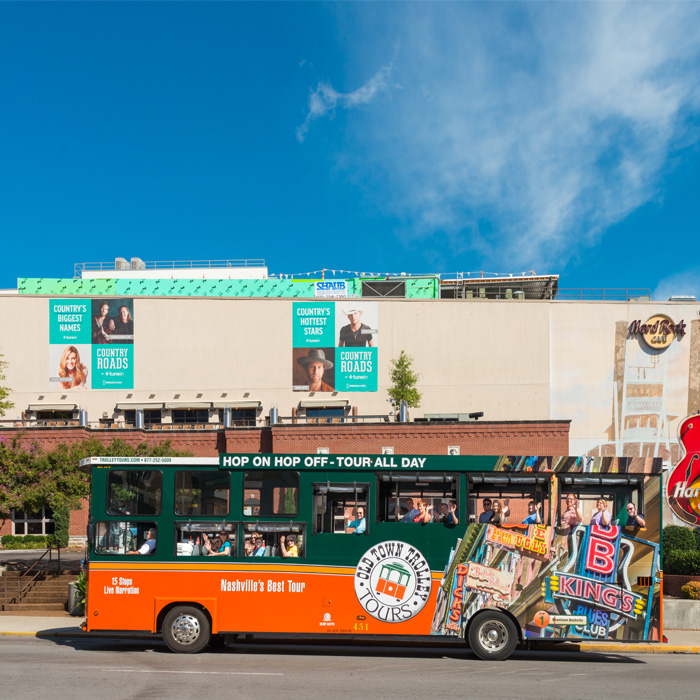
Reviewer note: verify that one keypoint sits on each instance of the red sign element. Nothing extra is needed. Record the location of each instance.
(600, 555)
(683, 482)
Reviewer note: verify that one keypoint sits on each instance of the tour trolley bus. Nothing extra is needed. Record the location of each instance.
(498, 550)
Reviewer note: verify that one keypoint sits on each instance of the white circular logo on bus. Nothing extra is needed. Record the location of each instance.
(392, 581)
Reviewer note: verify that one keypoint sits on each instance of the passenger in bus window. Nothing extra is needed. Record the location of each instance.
(498, 517)
(452, 518)
(291, 549)
(424, 515)
(487, 505)
(412, 512)
(259, 550)
(216, 546)
(572, 516)
(148, 547)
(359, 524)
(634, 517)
(602, 515)
(249, 546)
(441, 516)
(533, 514)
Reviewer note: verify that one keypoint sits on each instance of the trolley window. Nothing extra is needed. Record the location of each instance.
(508, 499)
(270, 493)
(398, 496)
(202, 539)
(286, 540)
(587, 498)
(341, 508)
(135, 492)
(125, 537)
(199, 493)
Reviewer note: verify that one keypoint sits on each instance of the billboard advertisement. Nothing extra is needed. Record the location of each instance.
(91, 344)
(334, 346)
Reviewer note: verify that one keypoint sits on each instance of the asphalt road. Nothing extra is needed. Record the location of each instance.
(100, 669)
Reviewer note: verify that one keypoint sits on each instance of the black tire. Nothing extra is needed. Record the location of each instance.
(493, 636)
(186, 630)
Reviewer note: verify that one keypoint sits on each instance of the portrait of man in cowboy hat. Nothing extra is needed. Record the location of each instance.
(355, 334)
(315, 364)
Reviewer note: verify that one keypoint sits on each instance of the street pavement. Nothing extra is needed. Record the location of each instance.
(82, 668)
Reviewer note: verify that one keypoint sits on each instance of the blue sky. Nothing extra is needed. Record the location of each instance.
(379, 137)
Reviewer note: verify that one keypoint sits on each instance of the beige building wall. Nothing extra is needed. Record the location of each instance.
(511, 359)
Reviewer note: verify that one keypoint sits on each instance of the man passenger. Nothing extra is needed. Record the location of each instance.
(359, 524)
(149, 546)
(412, 512)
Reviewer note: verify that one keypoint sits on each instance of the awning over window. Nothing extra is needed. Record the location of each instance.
(132, 406)
(337, 403)
(237, 404)
(188, 404)
(53, 407)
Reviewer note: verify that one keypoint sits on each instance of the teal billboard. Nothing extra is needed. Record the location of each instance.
(91, 344)
(335, 346)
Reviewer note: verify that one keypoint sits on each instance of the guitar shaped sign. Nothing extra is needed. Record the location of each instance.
(683, 482)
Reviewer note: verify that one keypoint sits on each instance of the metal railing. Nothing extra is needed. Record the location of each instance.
(79, 268)
(603, 294)
(328, 420)
(22, 590)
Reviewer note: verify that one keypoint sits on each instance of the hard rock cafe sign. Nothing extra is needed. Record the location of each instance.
(659, 331)
(683, 481)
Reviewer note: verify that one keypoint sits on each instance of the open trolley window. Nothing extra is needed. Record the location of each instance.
(586, 491)
(398, 495)
(519, 498)
(336, 507)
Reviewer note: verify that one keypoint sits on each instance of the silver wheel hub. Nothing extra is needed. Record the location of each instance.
(493, 635)
(186, 629)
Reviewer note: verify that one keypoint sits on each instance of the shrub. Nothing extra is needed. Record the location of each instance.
(80, 587)
(8, 541)
(61, 519)
(682, 561)
(696, 534)
(691, 590)
(679, 537)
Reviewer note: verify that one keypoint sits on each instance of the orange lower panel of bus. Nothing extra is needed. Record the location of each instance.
(256, 598)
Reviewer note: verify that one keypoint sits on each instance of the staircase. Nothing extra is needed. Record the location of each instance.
(47, 595)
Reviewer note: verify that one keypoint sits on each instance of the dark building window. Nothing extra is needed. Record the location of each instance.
(188, 416)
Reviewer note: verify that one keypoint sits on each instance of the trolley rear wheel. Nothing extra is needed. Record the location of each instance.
(493, 636)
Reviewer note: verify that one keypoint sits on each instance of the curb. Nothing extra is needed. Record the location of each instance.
(659, 648)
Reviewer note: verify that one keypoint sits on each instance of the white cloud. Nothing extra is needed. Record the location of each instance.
(522, 131)
(325, 98)
(684, 283)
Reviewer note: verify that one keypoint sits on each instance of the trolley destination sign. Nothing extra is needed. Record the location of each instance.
(326, 461)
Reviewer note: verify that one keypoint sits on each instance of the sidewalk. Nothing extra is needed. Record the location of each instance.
(679, 641)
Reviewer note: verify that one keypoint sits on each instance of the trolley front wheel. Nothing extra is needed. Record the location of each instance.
(186, 630)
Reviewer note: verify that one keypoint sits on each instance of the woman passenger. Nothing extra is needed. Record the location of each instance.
(70, 368)
(423, 515)
(497, 515)
(602, 517)
(216, 547)
(572, 516)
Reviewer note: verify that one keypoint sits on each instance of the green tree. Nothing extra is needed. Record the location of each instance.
(31, 478)
(5, 403)
(403, 382)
